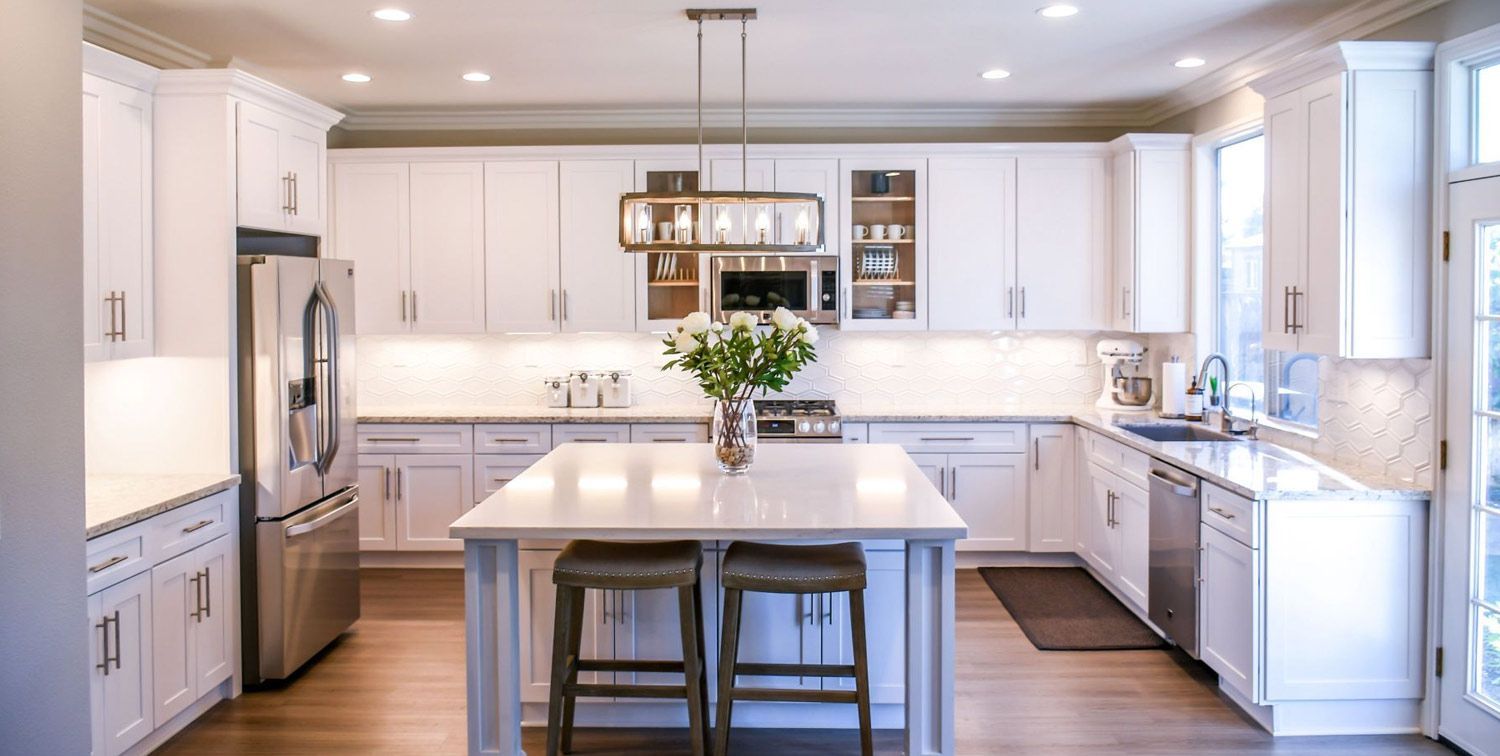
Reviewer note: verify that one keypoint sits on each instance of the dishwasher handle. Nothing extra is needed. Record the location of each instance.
(1181, 488)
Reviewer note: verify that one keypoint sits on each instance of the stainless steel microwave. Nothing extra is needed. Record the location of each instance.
(808, 285)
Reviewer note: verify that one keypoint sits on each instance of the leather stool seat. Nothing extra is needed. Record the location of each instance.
(613, 565)
(775, 568)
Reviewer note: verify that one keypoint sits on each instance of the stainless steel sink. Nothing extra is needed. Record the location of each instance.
(1177, 433)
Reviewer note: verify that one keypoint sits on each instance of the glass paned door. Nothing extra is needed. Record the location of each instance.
(1470, 707)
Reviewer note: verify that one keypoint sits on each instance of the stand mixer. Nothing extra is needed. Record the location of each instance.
(1125, 389)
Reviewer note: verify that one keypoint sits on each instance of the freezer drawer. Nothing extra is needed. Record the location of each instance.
(308, 570)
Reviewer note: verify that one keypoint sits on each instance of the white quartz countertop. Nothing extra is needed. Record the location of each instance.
(646, 491)
(115, 501)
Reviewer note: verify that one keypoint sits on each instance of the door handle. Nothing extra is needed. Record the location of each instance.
(1178, 487)
(197, 581)
(413, 305)
(124, 329)
(551, 304)
(953, 487)
(1109, 509)
(108, 563)
(1296, 309)
(1036, 454)
(828, 608)
(564, 304)
(1226, 514)
(286, 193)
(1286, 309)
(208, 594)
(1023, 302)
(1010, 301)
(398, 484)
(403, 306)
(103, 628)
(1124, 301)
(296, 201)
(385, 487)
(197, 526)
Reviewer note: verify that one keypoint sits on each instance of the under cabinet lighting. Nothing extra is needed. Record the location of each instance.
(476, 76)
(1190, 62)
(356, 78)
(1057, 11)
(391, 14)
(995, 73)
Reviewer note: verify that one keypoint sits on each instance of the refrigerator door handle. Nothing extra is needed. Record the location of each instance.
(312, 358)
(331, 346)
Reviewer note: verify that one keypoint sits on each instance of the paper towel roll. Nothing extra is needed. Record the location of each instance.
(1173, 389)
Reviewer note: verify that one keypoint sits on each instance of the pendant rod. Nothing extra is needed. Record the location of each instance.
(744, 123)
(700, 103)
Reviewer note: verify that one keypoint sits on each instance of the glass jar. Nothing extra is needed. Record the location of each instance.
(734, 435)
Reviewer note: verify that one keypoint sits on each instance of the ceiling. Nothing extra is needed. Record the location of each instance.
(823, 54)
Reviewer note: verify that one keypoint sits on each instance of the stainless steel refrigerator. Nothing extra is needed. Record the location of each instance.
(299, 502)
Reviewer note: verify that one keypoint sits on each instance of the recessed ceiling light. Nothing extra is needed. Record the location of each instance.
(391, 14)
(995, 73)
(357, 78)
(1057, 11)
(476, 76)
(1190, 62)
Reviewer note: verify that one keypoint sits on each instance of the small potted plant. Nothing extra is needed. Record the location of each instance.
(731, 361)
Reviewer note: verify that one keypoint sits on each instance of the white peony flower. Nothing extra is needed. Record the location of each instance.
(717, 327)
(809, 333)
(685, 343)
(783, 319)
(742, 321)
(695, 323)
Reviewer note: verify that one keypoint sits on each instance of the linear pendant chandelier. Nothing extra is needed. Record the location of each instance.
(702, 222)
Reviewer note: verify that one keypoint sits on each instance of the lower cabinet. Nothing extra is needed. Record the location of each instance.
(377, 502)
(191, 642)
(1229, 622)
(1115, 532)
(885, 629)
(120, 682)
(431, 491)
(1051, 483)
(988, 491)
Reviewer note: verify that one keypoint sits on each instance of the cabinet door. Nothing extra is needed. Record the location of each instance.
(212, 631)
(128, 715)
(591, 433)
(1062, 244)
(646, 627)
(781, 628)
(96, 675)
(1321, 297)
(521, 246)
(821, 177)
(972, 244)
(432, 490)
(447, 247)
(125, 208)
(302, 159)
(883, 277)
(1156, 300)
(175, 597)
(493, 471)
(885, 629)
(1103, 539)
(1132, 522)
(1229, 620)
(538, 606)
(989, 492)
(670, 285)
(371, 204)
(96, 315)
(263, 188)
(377, 503)
(935, 467)
(1051, 488)
(598, 278)
(1286, 190)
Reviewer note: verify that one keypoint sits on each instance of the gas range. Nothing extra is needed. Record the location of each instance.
(798, 420)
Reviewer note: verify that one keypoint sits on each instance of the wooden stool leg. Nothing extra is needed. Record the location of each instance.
(698, 625)
(576, 598)
(563, 620)
(728, 653)
(692, 666)
(861, 671)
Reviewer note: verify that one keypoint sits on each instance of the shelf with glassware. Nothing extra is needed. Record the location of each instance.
(885, 261)
(673, 283)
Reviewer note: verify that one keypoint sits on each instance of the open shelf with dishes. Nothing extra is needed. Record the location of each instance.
(673, 280)
(886, 262)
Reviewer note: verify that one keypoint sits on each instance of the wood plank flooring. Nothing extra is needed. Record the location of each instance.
(395, 685)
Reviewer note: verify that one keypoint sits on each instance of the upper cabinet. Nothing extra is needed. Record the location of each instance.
(598, 277)
(884, 265)
(1151, 249)
(973, 238)
(371, 226)
(1348, 193)
(280, 177)
(1062, 242)
(117, 206)
(671, 284)
(521, 246)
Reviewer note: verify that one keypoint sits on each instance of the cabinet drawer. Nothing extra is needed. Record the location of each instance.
(513, 439)
(952, 437)
(1230, 514)
(493, 471)
(856, 433)
(591, 433)
(436, 438)
(1133, 466)
(115, 556)
(669, 433)
(188, 527)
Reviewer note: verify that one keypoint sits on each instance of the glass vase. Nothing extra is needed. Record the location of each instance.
(734, 435)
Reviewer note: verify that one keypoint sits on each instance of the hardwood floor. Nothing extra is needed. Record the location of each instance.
(395, 685)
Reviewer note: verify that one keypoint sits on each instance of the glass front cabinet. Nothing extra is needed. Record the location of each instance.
(673, 284)
(883, 255)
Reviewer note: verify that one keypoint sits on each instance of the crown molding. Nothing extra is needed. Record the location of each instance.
(118, 35)
(1129, 142)
(236, 83)
(119, 68)
(1345, 56)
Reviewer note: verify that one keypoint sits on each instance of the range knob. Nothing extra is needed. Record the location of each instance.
(803, 426)
(833, 426)
(819, 427)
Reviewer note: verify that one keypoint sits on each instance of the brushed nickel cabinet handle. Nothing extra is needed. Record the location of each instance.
(1010, 301)
(108, 563)
(1125, 301)
(1286, 309)
(953, 487)
(1222, 513)
(551, 304)
(392, 440)
(208, 594)
(117, 641)
(403, 307)
(1297, 325)
(124, 329)
(501, 481)
(103, 627)
(413, 305)
(199, 525)
(564, 304)
(398, 484)
(286, 193)
(296, 201)
(385, 488)
(590, 440)
(1036, 454)
(197, 581)
(942, 482)
(668, 440)
(946, 438)
(1023, 302)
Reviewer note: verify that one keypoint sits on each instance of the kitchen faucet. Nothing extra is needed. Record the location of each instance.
(1231, 424)
(1202, 379)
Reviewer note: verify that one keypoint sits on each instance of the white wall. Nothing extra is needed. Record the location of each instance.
(44, 701)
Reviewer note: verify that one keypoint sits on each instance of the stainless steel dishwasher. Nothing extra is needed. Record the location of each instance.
(1173, 585)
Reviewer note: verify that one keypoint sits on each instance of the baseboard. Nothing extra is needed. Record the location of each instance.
(422, 560)
(1324, 718)
(755, 714)
(164, 732)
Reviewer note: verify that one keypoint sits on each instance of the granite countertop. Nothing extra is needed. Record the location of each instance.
(530, 413)
(115, 501)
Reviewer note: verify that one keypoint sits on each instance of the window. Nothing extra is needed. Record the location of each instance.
(1290, 379)
(1487, 113)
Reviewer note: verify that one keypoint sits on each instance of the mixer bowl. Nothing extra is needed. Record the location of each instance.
(1132, 392)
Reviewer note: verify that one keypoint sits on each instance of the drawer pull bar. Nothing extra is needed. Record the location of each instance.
(511, 440)
(393, 440)
(668, 440)
(199, 525)
(108, 563)
(501, 481)
(591, 440)
(1222, 513)
(946, 438)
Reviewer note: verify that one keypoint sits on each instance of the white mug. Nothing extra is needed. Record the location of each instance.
(664, 231)
(861, 232)
(877, 231)
(897, 232)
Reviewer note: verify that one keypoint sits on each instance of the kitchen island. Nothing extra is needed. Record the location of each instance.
(654, 492)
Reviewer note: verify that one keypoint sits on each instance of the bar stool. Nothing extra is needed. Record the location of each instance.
(614, 566)
(770, 568)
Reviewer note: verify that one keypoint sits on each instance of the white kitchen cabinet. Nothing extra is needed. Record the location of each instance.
(885, 629)
(883, 277)
(377, 502)
(987, 490)
(279, 170)
(538, 606)
(120, 677)
(1062, 243)
(118, 312)
(1098, 539)
(818, 176)
(592, 433)
(1133, 522)
(670, 285)
(447, 248)
(521, 246)
(646, 628)
(1228, 612)
(190, 639)
(1051, 483)
(972, 244)
(669, 433)
(598, 277)
(1348, 133)
(432, 490)
(371, 226)
(781, 628)
(1152, 203)
(493, 471)
(1116, 517)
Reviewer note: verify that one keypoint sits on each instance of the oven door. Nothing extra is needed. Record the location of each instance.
(805, 284)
